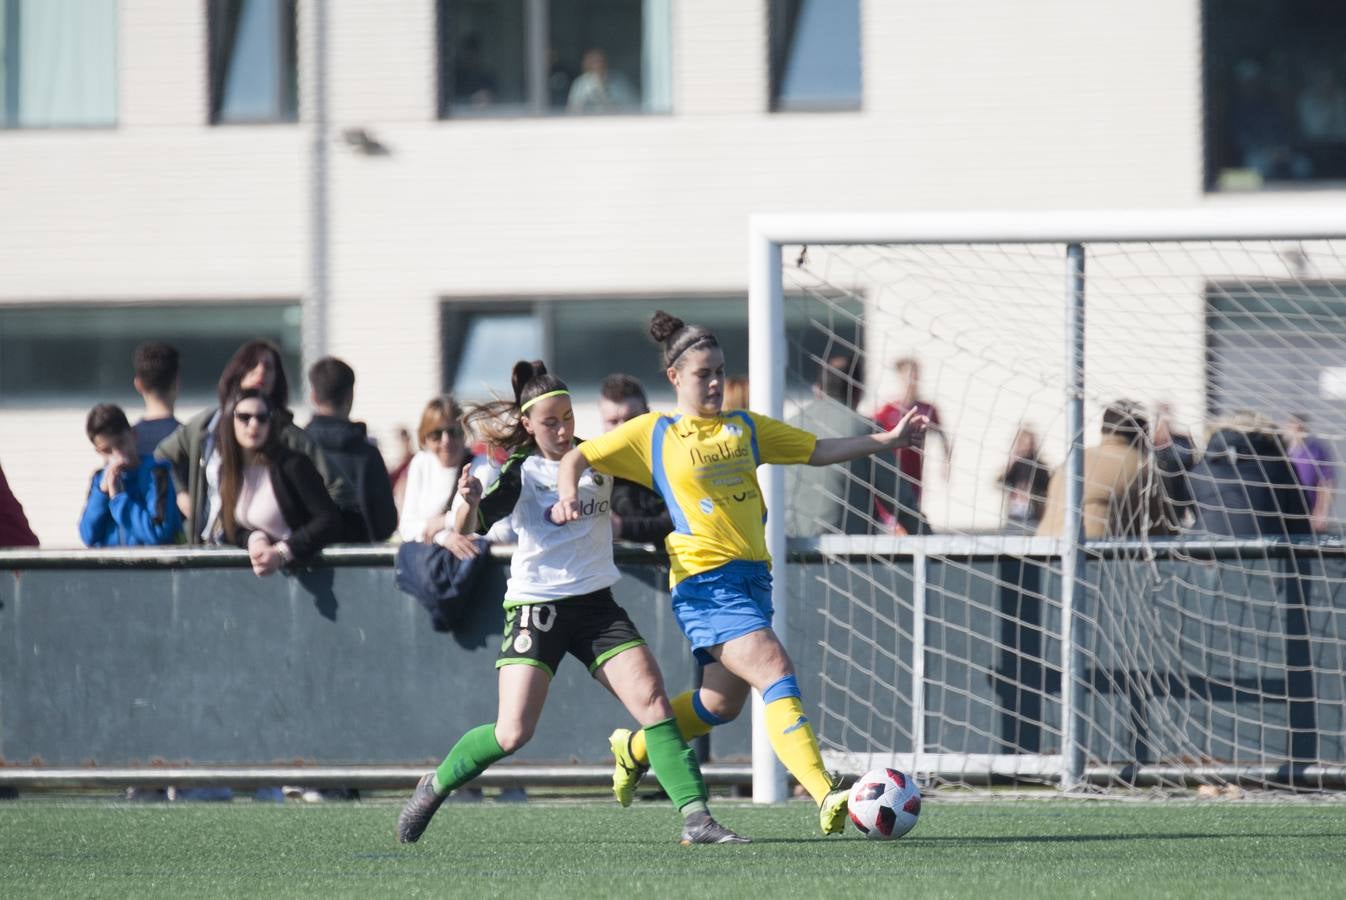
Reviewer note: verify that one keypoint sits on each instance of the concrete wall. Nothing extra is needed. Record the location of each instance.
(126, 665)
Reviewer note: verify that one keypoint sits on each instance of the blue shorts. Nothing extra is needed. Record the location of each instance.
(723, 604)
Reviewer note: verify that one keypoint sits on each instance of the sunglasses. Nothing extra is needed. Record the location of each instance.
(261, 418)
(434, 436)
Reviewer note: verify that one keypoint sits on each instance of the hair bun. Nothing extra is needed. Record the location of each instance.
(525, 371)
(663, 326)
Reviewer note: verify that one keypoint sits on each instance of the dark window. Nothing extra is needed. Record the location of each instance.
(253, 61)
(82, 353)
(815, 54)
(538, 57)
(1275, 93)
(58, 63)
(585, 340)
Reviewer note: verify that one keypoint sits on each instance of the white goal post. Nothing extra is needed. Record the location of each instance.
(1152, 261)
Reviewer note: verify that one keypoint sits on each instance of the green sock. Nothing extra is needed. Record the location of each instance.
(473, 754)
(675, 764)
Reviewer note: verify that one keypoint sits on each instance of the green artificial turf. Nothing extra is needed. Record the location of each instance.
(984, 850)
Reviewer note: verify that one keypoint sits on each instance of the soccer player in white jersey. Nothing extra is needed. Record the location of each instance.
(704, 463)
(558, 600)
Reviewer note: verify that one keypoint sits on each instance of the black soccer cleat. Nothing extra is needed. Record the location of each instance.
(420, 809)
(702, 829)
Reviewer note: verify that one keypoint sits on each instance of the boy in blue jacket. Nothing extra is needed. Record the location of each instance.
(131, 501)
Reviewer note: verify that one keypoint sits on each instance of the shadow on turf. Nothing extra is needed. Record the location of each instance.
(1084, 838)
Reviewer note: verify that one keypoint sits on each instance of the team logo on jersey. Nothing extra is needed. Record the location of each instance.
(706, 506)
(731, 429)
(598, 478)
(523, 643)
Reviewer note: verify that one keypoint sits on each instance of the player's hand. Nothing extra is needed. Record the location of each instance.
(469, 486)
(565, 510)
(909, 430)
(460, 545)
(616, 526)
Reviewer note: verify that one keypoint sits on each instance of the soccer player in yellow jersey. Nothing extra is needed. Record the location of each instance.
(704, 464)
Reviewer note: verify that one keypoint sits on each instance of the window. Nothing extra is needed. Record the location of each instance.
(59, 63)
(93, 345)
(584, 341)
(539, 57)
(815, 54)
(253, 61)
(1275, 93)
(475, 367)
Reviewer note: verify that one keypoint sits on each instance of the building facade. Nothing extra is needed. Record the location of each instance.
(430, 190)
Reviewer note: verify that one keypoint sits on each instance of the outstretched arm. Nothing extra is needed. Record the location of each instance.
(835, 450)
(567, 508)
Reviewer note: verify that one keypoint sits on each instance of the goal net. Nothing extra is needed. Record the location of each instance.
(1167, 612)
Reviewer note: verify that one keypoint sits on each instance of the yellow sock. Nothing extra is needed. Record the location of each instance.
(795, 745)
(690, 725)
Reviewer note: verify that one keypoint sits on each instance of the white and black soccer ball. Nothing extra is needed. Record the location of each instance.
(885, 804)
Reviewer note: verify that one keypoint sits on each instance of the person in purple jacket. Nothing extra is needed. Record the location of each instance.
(131, 499)
(1314, 468)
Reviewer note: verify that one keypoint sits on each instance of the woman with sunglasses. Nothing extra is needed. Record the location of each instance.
(272, 500)
(193, 452)
(432, 479)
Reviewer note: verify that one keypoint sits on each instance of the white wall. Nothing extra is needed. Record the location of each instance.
(967, 104)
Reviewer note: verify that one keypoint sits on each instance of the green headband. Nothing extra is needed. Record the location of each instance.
(562, 392)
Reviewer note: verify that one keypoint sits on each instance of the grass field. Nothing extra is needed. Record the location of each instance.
(984, 850)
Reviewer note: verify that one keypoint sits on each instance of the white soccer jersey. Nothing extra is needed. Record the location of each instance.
(552, 562)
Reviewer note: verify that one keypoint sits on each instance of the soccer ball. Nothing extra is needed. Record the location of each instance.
(885, 804)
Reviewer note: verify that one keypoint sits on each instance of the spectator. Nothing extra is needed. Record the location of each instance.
(192, 450)
(639, 514)
(907, 518)
(1321, 106)
(597, 89)
(273, 502)
(432, 480)
(1024, 482)
(1121, 491)
(473, 83)
(1245, 485)
(157, 382)
(1313, 467)
(1174, 456)
(131, 502)
(736, 392)
(348, 447)
(14, 530)
(836, 499)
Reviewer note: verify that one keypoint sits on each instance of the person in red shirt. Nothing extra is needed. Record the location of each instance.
(907, 518)
(14, 530)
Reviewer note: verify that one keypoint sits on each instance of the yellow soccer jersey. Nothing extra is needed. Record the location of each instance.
(706, 471)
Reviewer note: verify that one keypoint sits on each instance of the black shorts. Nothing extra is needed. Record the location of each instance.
(590, 627)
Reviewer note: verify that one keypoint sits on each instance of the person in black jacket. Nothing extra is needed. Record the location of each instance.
(639, 514)
(273, 501)
(347, 446)
(1245, 486)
